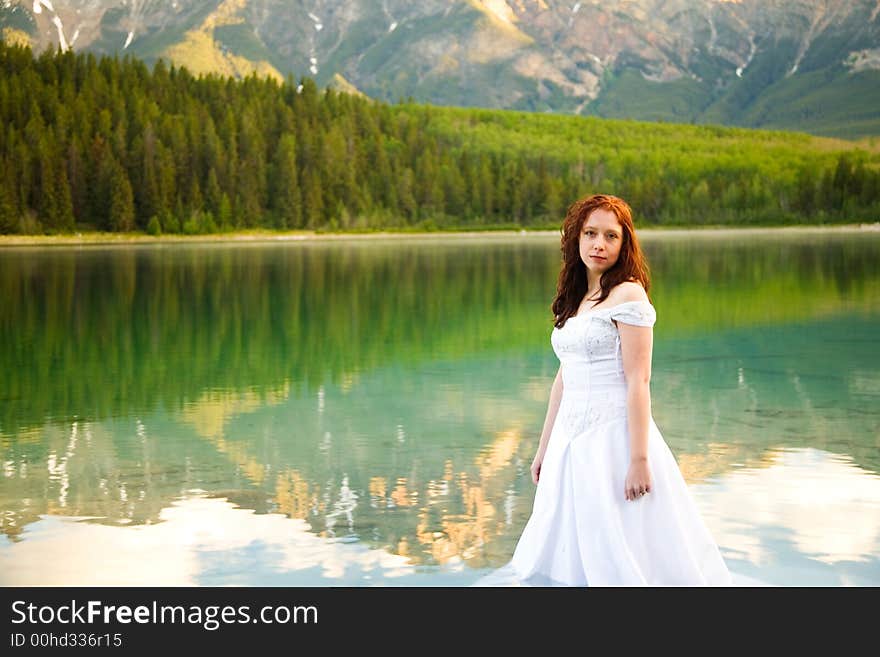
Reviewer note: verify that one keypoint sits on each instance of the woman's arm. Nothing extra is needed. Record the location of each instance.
(549, 421)
(636, 346)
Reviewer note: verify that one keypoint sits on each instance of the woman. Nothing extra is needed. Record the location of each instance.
(611, 506)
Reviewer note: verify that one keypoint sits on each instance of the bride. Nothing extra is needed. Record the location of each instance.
(611, 506)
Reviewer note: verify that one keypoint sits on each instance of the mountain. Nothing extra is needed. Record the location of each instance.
(810, 65)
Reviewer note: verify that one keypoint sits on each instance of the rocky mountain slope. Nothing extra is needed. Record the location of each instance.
(811, 65)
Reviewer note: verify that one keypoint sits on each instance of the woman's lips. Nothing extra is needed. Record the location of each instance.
(597, 257)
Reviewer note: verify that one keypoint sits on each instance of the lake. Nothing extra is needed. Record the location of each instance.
(364, 411)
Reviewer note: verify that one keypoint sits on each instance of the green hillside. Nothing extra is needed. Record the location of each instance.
(827, 102)
(830, 101)
(111, 145)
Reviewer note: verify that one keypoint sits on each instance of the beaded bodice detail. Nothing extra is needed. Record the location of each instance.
(588, 347)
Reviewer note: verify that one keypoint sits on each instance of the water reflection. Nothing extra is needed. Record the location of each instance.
(829, 526)
(99, 332)
(807, 516)
(331, 410)
(196, 541)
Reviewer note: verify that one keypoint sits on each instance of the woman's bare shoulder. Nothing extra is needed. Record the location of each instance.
(628, 291)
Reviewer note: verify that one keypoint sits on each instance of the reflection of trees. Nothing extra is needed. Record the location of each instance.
(757, 279)
(103, 332)
(107, 332)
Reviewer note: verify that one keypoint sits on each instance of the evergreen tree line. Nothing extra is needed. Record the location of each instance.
(106, 144)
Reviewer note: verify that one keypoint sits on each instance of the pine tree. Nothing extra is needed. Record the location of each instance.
(406, 198)
(64, 219)
(8, 213)
(47, 191)
(196, 202)
(285, 194)
(313, 202)
(213, 193)
(121, 201)
(224, 212)
(149, 196)
(99, 183)
(77, 177)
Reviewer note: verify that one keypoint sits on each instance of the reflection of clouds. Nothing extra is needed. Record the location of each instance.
(825, 508)
(196, 534)
(828, 507)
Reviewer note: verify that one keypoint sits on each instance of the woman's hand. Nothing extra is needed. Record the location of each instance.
(535, 469)
(638, 480)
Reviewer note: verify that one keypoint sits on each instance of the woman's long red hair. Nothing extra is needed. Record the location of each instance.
(631, 264)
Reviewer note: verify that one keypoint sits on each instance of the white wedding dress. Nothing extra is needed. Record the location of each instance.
(583, 531)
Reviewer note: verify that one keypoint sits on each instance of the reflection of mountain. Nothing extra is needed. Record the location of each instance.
(210, 413)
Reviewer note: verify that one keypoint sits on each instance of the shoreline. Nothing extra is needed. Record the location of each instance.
(87, 239)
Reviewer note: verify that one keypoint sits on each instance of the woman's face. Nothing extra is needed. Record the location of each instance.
(600, 241)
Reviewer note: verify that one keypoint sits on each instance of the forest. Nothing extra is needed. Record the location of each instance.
(106, 144)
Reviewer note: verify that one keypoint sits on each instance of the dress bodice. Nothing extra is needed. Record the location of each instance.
(588, 347)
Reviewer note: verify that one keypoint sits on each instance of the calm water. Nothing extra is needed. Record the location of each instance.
(364, 412)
